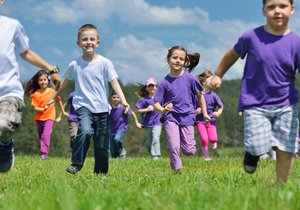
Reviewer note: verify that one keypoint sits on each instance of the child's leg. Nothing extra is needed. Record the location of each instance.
(202, 134)
(284, 162)
(201, 128)
(45, 137)
(148, 141)
(155, 146)
(119, 141)
(101, 142)
(84, 134)
(73, 128)
(173, 138)
(187, 139)
(113, 146)
(285, 132)
(212, 133)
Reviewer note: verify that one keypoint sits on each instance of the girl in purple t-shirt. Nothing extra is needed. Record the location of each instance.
(119, 126)
(174, 98)
(208, 131)
(151, 118)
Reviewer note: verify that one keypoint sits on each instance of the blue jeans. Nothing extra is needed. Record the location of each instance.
(116, 144)
(92, 125)
(153, 140)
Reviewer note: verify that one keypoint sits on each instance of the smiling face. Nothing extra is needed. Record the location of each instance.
(151, 88)
(176, 62)
(88, 41)
(43, 82)
(277, 13)
(115, 100)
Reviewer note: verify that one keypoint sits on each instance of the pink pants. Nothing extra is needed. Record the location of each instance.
(207, 133)
(44, 131)
(179, 136)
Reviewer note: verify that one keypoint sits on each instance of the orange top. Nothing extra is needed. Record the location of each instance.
(39, 99)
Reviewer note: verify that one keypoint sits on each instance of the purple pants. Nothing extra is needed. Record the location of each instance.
(179, 137)
(44, 131)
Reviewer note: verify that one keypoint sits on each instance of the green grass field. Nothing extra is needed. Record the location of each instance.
(142, 183)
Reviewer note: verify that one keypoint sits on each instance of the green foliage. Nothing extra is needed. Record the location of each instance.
(142, 183)
(229, 125)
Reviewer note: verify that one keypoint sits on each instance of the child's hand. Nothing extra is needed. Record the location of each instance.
(58, 119)
(150, 108)
(207, 118)
(126, 107)
(241, 114)
(168, 108)
(139, 125)
(46, 107)
(216, 114)
(198, 111)
(215, 82)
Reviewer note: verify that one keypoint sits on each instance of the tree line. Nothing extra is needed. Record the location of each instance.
(229, 125)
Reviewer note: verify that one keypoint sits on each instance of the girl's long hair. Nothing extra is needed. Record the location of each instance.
(33, 85)
(141, 92)
(191, 59)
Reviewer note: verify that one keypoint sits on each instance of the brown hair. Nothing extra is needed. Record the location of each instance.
(191, 59)
(33, 85)
(86, 27)
(291, 1)
(204, 75)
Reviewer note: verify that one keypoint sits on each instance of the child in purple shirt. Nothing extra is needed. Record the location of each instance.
(214, 106)
(151, 118)
(268, 97)
(174, 98)
(119, 126)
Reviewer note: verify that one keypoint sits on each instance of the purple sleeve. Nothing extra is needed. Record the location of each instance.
(242, 46)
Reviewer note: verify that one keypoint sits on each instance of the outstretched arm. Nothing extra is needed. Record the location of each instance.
(137, 123)
(203, 107)
(227, 61)
(34, 59)
(162, 109)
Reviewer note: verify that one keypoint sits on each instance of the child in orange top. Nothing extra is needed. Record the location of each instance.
(38, 88)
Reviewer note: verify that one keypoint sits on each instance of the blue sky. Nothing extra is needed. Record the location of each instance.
(136, 34)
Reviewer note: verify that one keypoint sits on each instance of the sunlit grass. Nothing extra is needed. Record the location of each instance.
(142, 183)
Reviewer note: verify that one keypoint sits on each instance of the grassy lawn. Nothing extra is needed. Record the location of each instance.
(142, 183)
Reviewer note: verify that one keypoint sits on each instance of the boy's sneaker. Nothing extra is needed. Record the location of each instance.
(6, 156)
(250, 162)
(73, 169)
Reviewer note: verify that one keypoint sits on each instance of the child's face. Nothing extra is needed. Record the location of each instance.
(151, 89)
(177, 60)
(88, 41)
(115, 99)
(277, 13)
(43, 81)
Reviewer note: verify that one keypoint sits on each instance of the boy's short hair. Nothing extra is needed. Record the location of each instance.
(86, 27)
(113, 93)
(291, 1)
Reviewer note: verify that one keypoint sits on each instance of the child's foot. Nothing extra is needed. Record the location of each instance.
(214, 145)
(73, 169)
(6, 156)
(177, 171)
(44, 157)
(250, 162)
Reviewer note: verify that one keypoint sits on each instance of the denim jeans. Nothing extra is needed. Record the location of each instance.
(92, 125)
(153, 140)
(116, 144)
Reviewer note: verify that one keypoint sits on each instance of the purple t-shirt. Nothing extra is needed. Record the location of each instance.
(212, 101)
(269, 72)
(72, 112)
(149, 119)
(180, 91)
(118, 119)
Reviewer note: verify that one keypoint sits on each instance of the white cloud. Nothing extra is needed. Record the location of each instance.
(134, 58)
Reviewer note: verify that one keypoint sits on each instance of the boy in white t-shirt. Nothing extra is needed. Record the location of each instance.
(14, 42)
(92, 74)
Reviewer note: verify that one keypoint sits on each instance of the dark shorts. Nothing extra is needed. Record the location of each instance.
(10, 113)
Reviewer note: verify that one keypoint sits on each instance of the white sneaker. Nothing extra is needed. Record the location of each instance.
(207, 159)
(214, 145)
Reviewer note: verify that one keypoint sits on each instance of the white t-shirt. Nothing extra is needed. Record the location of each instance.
(91, 83)
(13, 40)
